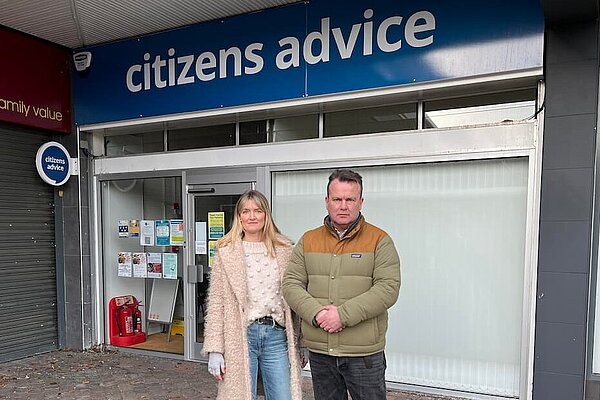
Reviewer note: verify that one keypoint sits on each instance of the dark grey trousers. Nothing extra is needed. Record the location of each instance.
(334, 377)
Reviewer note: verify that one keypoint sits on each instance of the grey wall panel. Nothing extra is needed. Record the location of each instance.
(70, 193)
(71, 239)
(72, 252)
(562, 297)
(73, 301)
(572, 42)
(559, 348)
(571, 92)
(569, 142)
(571, 75)
(84, 178)
(567, 194)
(28, 305)
(565, 246)
(550, 386)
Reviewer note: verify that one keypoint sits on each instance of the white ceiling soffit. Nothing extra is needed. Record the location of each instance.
(78, 23)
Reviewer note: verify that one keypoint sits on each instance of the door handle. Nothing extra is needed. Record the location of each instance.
(195, 273)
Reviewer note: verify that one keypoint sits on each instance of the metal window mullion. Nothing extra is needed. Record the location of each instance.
(321, 124)
(420, 114)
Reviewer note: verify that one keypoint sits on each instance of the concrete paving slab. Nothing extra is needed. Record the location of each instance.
(117, 375)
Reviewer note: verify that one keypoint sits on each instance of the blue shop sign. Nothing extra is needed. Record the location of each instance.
(53, 163)
(306, 49)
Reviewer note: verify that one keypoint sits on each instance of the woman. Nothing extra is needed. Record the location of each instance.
(248, 325)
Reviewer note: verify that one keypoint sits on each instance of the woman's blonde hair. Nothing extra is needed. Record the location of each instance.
(271, 236)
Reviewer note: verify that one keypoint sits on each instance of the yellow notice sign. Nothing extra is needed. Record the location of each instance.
(211, 252)
(216, 225)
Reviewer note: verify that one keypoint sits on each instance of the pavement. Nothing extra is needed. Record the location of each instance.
(111, 375)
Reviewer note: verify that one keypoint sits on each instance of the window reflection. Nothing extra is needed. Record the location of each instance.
(400, 117)
(201, 137)
(478, 110)
(281, 129)
(138, 143)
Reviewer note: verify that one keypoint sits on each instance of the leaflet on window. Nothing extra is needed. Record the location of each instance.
(154, 264)
(123, 228)
(147, 232)
(176, 231)
(124, 264)
(134, 228)
(170, 265)
(140, 267)
(162, 233)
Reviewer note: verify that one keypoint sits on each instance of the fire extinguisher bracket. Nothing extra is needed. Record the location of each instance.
(125, 321)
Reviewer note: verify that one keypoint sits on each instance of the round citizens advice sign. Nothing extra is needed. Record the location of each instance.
(53, 163)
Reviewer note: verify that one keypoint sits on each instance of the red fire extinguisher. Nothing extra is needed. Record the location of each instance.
(125, 320)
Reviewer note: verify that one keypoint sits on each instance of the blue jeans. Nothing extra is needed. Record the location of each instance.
(334, 377)
(267, 345)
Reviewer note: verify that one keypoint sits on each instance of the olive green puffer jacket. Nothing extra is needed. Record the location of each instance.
(360, 274)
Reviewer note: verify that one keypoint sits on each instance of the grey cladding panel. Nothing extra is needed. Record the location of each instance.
(569, 142)
(565, 246)
(557, 387)
(576, 43)
(571, 88)
(567, 194)
(560, 348)
(562, 298)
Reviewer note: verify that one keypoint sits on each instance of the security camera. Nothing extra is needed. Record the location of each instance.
(82, 60)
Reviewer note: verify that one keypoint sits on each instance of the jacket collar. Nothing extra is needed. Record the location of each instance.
(349, 232)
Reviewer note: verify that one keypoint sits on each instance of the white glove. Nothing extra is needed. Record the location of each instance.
(216, 365)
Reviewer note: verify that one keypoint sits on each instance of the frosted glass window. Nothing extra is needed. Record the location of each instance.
(459, 228)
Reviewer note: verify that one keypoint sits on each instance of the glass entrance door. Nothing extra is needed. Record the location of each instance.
(211, 209)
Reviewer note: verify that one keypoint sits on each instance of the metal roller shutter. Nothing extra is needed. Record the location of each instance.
(28, 312)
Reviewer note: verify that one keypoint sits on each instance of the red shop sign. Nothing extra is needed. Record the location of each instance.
(35, 86)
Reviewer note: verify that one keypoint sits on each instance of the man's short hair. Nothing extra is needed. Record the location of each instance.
(345, 175)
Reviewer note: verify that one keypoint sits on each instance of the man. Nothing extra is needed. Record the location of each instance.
(342, 278)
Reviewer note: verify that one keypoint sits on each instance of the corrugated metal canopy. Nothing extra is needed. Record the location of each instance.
(78, 23)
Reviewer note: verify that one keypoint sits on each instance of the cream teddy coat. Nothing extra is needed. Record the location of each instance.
(225, 329)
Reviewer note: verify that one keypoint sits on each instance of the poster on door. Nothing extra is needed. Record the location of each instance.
(211, 252)
(200, 244)
(216, 225)
(176, 232)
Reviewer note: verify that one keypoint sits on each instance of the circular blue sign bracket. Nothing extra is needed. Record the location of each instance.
(53, 163)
